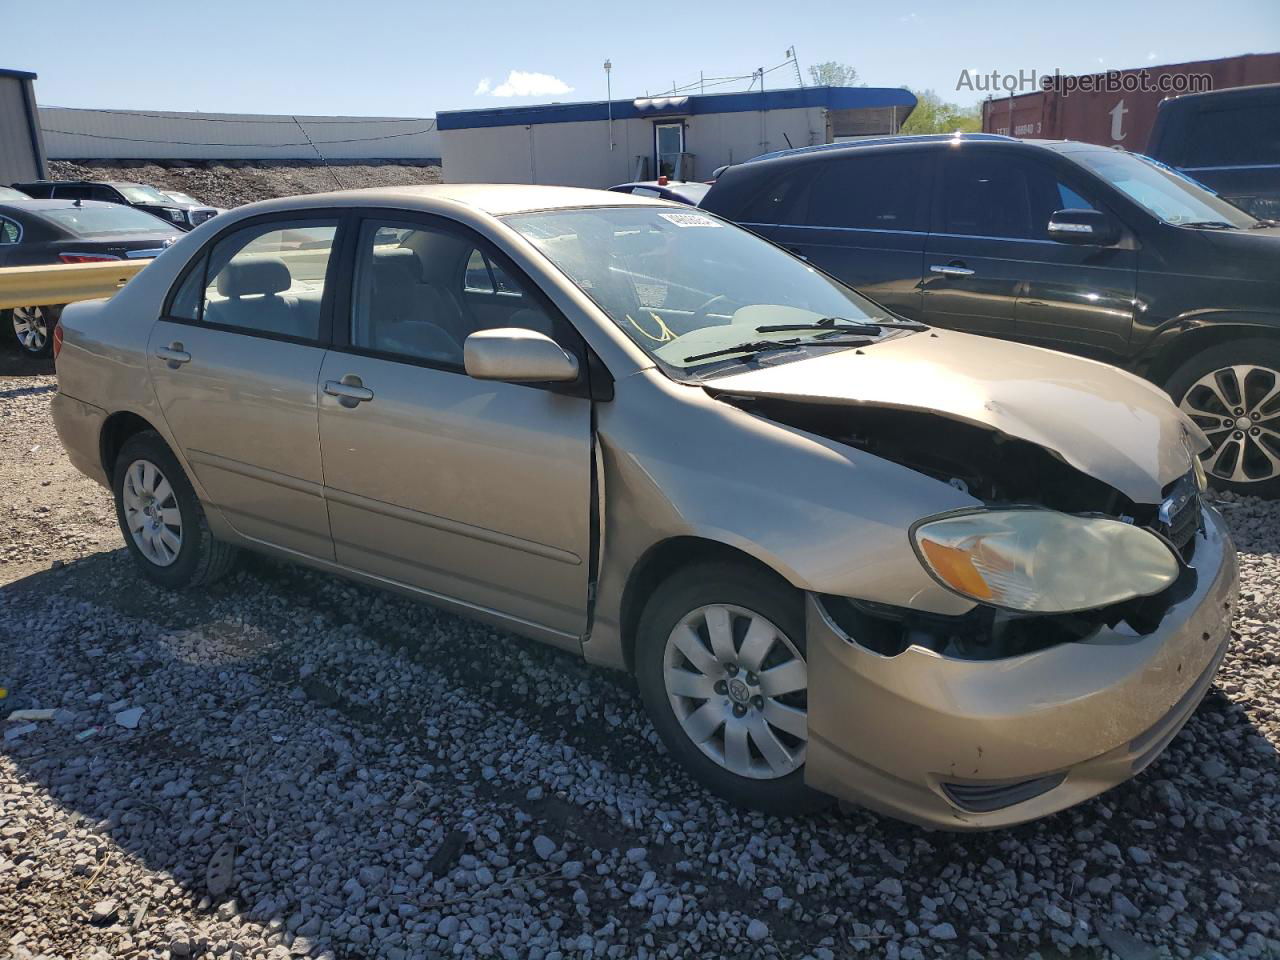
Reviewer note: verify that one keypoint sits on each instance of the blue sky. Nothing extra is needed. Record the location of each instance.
(404, 58)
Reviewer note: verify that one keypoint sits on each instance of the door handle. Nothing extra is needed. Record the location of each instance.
(951, 270)
(350, 391)
(174, 355)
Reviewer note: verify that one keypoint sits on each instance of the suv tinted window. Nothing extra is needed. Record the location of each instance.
(875, 192)
(1233, 135)
(984, 194)
(10, 232)
(269, 278)
(783, 199)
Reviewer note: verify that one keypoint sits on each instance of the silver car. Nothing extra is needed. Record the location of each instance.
(961, 581)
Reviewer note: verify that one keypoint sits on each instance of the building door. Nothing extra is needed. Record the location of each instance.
(668, 146)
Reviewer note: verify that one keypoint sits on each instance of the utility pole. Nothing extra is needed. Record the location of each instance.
(608, 86)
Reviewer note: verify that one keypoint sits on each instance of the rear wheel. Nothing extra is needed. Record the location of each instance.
(161, 518)
(720, 661)
(33, 329)
(1232, 392)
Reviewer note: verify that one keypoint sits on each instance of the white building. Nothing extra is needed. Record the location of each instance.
(686, 137)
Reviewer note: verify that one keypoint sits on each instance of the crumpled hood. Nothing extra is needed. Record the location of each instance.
(1107, 423)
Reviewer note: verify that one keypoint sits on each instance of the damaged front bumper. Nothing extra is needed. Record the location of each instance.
(973, 744)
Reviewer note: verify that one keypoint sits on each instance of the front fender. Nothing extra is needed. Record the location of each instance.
(828, 518)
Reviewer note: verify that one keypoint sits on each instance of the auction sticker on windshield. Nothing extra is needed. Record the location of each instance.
(688, 219)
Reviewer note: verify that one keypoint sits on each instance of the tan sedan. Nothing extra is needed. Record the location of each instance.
(961, 581)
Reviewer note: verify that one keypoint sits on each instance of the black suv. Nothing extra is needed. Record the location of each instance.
(1067, 245)
(1229, 140)
(139, 195)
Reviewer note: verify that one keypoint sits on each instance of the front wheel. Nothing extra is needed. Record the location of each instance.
(720, 662)
(1232, 392)
(33, 329)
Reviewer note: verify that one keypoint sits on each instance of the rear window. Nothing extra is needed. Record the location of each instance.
(105, 221)
(1228, 136)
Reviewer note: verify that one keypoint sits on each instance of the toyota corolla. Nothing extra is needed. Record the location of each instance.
(960, 581)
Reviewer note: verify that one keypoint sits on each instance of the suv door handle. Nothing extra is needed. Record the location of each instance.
(174, 355)
(350, 391)
(951, 270)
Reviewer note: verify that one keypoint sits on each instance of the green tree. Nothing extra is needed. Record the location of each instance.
(833, 74)
(934, 115)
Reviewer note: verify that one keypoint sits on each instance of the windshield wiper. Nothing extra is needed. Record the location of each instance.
(760, 346)
(1209, 224)
(869, 327)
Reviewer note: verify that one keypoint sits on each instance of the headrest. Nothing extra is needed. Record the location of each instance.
(254, 275)
(397, 265)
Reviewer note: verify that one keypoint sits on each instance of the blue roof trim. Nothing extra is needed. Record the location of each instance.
(833, 98)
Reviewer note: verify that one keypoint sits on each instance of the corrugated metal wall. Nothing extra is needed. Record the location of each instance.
(75, 134)
(19, 156)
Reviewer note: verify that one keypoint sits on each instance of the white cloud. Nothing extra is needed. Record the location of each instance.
(520, 83)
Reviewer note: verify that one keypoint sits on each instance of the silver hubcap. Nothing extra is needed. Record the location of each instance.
(1238, 408)
(31, 328)
(739, 688)
(151, 512)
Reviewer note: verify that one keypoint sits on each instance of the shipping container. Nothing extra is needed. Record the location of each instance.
(1118, 108)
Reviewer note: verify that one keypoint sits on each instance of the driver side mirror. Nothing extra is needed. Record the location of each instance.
(1082, 226)
(517, 355)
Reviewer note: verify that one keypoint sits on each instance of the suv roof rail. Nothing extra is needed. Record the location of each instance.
(880, 141)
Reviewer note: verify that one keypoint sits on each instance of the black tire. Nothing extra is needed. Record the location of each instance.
(1184, 387)
(200, 559)
(736, 585)
(32, 329)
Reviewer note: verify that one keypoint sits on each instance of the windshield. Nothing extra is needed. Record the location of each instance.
(1171, 197)
(141, 193)
(106, 220)
(182, 197)
(683, 285)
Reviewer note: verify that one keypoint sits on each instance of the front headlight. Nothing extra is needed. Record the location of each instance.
(1043, 561)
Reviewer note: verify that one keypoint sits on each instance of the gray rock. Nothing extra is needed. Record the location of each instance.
(757, 930)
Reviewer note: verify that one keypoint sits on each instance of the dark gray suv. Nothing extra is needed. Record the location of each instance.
(1067, 245)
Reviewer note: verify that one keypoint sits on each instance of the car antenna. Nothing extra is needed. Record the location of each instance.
(76, 202)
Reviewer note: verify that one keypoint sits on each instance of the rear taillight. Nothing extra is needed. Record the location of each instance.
(85, 257)
(57, 339)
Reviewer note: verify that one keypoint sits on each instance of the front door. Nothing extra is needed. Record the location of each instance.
(474, 491)
(668, 141)
(234, 363)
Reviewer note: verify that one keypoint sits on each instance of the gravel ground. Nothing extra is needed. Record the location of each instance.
(323, 770)
(233, 182)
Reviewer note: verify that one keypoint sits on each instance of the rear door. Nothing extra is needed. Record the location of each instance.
(863, 220)
(973, 257)
(235, 362)
(477, 492)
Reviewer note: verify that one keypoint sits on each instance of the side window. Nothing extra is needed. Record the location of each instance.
(421, 296)
(105, 194)
(269, 278)
(10, 232)
(186, 301)
(1227, 136)
(782, 200)
(985, 195)
(478, 278)
(880, 192)
(72, 192)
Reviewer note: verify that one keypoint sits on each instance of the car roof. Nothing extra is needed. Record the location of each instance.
(495, 199)
(897, 139)
(40, 206)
